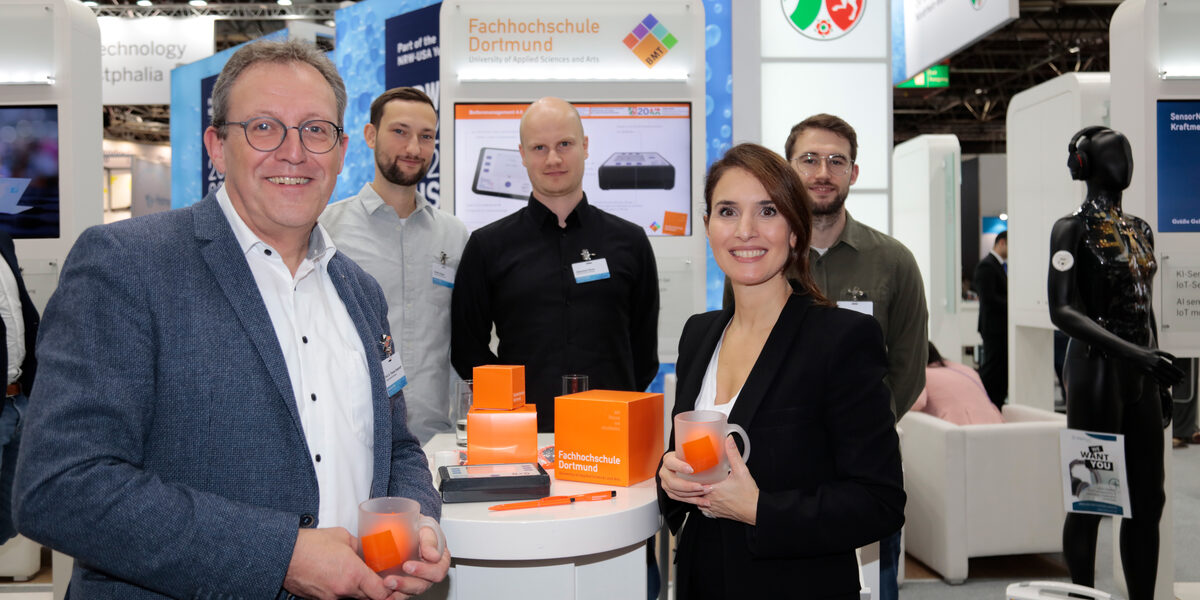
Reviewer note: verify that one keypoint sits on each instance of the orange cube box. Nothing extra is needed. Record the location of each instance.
(607, 437)
(498, 387)
(502, 436)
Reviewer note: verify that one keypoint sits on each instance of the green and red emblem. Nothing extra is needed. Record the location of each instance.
(823, 19)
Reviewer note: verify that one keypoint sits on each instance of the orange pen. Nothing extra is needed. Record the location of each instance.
(556, 500)
(595, 496)
(547, 501)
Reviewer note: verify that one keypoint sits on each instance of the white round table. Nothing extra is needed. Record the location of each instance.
(582, 550)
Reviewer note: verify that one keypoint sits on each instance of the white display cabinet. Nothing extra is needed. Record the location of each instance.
(1041, 121)
(926, 202)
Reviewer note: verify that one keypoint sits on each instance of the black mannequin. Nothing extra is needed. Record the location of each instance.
(1101, 269)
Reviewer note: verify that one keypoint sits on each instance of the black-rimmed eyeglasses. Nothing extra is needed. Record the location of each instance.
(809, 163)
(265, 134)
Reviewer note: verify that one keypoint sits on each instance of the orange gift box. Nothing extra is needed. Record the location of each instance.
(502, 436)
(607, 437)
(498, 387)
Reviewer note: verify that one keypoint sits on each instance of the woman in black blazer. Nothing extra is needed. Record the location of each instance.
(805, 379)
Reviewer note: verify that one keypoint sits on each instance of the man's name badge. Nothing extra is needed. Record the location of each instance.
(866, 308)
(393, 374)
(590, 270)
(443, 275)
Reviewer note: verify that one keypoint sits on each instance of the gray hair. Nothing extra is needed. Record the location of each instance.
(280, 53)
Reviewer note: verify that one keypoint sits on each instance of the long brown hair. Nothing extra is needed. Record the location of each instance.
(786, 190)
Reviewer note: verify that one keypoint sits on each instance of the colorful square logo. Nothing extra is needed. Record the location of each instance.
(650, 40)
(654, 226)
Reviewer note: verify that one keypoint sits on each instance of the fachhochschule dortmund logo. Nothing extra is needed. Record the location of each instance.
(650, 41)
(823, 19)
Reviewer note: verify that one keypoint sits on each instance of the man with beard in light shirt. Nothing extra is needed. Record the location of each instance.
(410, 247)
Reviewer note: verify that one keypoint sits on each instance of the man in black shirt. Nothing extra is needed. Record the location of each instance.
(569, 287)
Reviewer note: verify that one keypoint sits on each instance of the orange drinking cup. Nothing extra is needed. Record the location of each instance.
(387, 530)
(700, 442)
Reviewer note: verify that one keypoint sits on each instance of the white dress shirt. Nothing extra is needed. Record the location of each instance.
(402, 255)
(707, 398)
(326, 363)
(14, 322)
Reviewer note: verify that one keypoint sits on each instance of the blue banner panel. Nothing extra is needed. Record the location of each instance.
(211, 179)
(1178, 155)
(412, 59)
(361, 55)
(718, 119)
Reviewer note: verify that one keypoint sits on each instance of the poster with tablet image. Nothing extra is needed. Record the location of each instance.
(638, 166)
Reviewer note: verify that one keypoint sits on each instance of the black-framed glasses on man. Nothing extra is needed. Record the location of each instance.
(265, 134)
(809, 163)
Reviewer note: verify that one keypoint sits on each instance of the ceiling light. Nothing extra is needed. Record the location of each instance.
(283, 2)
(1073, 50)
(144, 3)
(198, 2)
(91, 3)
(978, 91)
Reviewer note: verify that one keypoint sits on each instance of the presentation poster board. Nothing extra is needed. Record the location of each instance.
(638, 167)
(1178, 155)
(1094, 477)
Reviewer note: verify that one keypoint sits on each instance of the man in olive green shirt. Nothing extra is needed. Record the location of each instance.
(863, 269)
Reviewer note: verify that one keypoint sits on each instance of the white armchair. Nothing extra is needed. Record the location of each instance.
(981, 490)
(20, 558)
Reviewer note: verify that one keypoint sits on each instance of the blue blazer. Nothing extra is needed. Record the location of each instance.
(163, 448)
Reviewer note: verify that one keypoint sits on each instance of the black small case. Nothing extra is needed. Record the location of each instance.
(493, 483)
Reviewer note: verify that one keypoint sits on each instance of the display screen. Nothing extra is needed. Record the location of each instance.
(487, 471)
(29, 193)
(1178, 154)
(638, 167)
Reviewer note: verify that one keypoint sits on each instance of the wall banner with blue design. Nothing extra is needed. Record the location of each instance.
(412, 59)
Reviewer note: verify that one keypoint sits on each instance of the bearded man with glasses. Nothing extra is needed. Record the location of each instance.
(217, 402)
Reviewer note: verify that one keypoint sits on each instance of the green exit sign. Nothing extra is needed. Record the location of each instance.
(937, 76)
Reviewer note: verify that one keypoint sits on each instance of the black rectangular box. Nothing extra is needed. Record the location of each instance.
(493, 483)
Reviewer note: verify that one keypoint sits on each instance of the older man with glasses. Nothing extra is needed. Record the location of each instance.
(219, 397)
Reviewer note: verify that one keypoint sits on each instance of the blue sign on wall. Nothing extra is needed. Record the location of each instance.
(412, 59)
(1178, 155)
(211, 179)
(361, 56)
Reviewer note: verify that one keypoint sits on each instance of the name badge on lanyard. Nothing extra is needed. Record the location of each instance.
(865, 307)
(590, 270)
(393, 371)
(443, 275)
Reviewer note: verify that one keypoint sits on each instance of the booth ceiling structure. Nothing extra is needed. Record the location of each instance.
(1049, 38)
